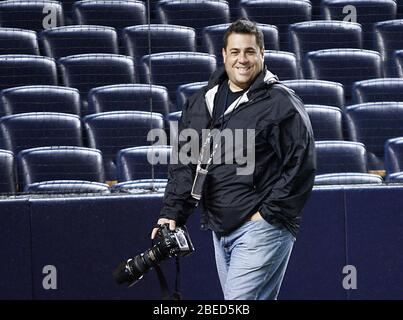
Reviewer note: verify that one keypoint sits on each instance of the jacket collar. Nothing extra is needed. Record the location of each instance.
(264, 79)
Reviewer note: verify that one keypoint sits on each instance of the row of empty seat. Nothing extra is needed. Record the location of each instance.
(195, 13)
(87, 71)
(70, 169)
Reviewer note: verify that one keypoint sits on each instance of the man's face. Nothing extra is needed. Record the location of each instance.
(243, 60)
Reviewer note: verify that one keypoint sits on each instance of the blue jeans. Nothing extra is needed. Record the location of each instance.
(251, 261)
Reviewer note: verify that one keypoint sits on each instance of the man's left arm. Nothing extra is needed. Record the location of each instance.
(292, 140)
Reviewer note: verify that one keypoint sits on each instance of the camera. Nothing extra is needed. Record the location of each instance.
(172, 244)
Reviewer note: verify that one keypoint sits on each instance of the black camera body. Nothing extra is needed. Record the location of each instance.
(172, 244)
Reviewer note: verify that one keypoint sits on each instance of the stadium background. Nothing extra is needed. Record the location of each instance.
(83, 82)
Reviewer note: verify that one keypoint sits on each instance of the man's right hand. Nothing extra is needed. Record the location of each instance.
(172, 226)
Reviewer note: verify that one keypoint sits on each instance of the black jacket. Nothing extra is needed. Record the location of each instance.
(284, 168)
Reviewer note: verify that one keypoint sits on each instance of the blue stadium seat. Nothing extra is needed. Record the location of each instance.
(347, 178)
(163, 37)
(143, 163)
(141, 186)
(321, 92)
(343, 65)
(113, 131)
(33, 14)
(317, 35)
(280, 13)
(40, 129)
(326, 122)
(395, 177)
(394, 155)
(213, 38)
(193, 66)
(39, 99)
(134, 97)
(193, 13)
(366, 12)
(372, 124)
(70, 40)
(21, 70)
(87, 71)
(282, 64)
(67, 186)
(398, 60)
(388, 38)
(340, 157)
(184, 91)
(111, 13)
(7, 172)
(378, 90)
(59, 163)
(18, 41)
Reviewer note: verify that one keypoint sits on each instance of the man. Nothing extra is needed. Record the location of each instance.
(254, 217)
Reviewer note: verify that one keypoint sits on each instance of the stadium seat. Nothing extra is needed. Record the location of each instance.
(282, 64)
(39, 99)
(347, 178)
(193, 13)
(21, 70)
(317, 35)
(326, 122)
(378, 90)
(7, 172)
(67, 186)
(345, 66)
(59, 163)
(113, 131)
(280, 13)
(111, 13)
(398, 59)
(213, 38)
(134, 97)
(395, 177)
(40, 129)
(372, 124)
(163, 37)
(184, 91)
(87, 71)
(143, 163)
(394, 155)
(18, 41)
(320, 92)
(71, 40)
(141, 186)
(340, 157)
(365, 12)
(388, 38)
(175, 68)
(32, 15)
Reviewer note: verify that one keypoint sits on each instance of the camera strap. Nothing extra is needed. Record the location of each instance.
(176, 295)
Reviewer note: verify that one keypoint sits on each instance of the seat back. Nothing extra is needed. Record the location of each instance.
(7, 172)
(18, 41)
(326, 122)
(39, 99)
(185, 91)
(394, 155)
(378, 90)
(340, 157)
(22, 70)
(40, 129)
(71, 40)
(113, 131)
(59, 163)
(143, 162)
(282, 64)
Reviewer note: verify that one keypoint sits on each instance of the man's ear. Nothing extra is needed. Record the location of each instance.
(224, 54)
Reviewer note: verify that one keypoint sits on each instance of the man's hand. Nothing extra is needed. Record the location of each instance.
(172, 226)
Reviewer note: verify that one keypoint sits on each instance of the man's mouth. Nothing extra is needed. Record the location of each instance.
(242, 70)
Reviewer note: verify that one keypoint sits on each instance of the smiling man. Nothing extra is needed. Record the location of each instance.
(254, 217)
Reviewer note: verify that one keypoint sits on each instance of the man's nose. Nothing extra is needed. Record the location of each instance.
(242, 58)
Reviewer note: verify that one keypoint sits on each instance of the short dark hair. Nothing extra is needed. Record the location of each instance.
(244, 26)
